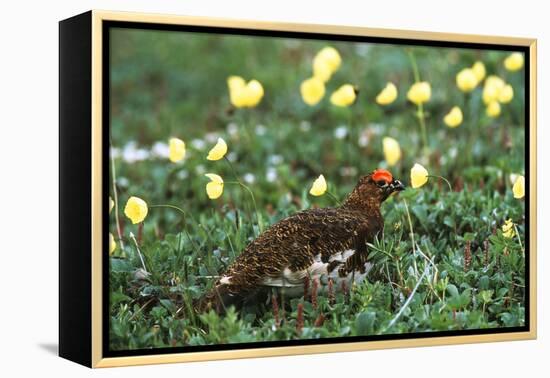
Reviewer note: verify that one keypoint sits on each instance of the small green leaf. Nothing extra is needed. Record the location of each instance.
(364, 323)
(452, 290)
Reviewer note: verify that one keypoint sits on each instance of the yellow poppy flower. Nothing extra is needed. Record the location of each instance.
(492, 88)
(343, 96)
(392, 150)
(112, 244)
(136, 209)
(508, 229)
(321, 70)
(387, 95)
(218, 151)
(454, 117)
(214, 188)
(514, 61)
(319, 186)
(419, 176)
(330, 56)
(111, 204)
(506, 94)
(493, 109)
(325, 63)
(176, 150)
(479, 70)
(242, 94)
(420, 92)
(519, 187)
(255, 92)
(466, 80)
(235, 83)
(312, 90)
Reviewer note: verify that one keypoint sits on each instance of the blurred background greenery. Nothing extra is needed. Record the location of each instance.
(166, 84)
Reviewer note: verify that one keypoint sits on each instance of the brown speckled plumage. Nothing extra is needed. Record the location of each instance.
(294, 243)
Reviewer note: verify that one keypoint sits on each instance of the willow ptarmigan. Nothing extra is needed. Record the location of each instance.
(319, 244)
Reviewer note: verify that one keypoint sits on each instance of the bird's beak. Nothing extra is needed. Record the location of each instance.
(396, 186)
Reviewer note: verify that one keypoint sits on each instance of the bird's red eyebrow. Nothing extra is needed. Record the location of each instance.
(382, 174)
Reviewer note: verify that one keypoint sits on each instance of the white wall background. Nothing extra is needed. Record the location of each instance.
(28, 185)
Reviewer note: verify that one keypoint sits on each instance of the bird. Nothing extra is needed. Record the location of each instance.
(320, 244)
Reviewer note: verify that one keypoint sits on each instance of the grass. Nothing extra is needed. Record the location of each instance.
(442, 263)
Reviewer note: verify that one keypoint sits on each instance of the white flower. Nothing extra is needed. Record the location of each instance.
(182, 174)
(362, 49)
(232, 129)
(364, 139)
(340, 132)
(211, 137)
(348, 171)
(305, 126)
(132, 154)
(232, 157)
(160, 150)
(275, 159)
(198, 144)
(271, 174)
(260, 130)
(249, 178)
(200, 169)
(377, 128)
(114, 152)
(292, 43)
(123, 182)
(453, 152)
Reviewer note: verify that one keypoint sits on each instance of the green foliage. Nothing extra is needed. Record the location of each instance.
(170, 84)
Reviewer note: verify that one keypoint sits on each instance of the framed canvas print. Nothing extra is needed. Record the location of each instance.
(234, 189)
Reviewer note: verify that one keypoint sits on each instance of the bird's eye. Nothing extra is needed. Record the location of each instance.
(381, 183)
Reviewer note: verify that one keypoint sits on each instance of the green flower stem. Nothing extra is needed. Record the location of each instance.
(138, 251)
(411, 234)
(239, 182)
(258, 216)
(231, 167)
(350, 137)
(468, 114)
(140, 310)
(184, 220)
(412, 59)
(244, 121)
(519, 239)
(115, 200)
(444, 179)
(234, 174)
(170, 207)
(333, 197)
(422, 120)
(230, 244)
(420, 108)
(185, 214)
(407, 302)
